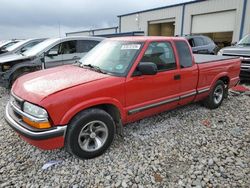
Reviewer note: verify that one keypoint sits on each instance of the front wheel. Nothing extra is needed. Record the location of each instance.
(216, 96)
(90, 133)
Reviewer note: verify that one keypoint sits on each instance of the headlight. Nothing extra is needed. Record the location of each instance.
(220, 52)
(34, 110)
(6, 67)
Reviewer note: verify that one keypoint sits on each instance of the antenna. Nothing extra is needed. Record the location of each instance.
(59, 29)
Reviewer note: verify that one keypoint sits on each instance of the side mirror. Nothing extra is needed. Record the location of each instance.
(233, 43)
(52, 53)
(147, 68)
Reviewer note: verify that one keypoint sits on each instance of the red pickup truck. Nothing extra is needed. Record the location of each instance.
(121, 80)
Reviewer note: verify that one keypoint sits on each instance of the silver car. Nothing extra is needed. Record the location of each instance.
(20, 47)
(47, 54)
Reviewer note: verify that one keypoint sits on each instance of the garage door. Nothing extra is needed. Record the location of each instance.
(214, 22)
(161, 27)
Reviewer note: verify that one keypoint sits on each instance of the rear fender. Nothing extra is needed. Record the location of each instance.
(216, 78)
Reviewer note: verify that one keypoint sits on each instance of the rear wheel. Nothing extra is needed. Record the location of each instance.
(90, 133)
(216, 96)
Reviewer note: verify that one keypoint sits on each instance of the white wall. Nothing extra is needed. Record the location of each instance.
(139, 22)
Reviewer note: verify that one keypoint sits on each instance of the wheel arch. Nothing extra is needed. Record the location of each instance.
(112, 107)
(223, 77)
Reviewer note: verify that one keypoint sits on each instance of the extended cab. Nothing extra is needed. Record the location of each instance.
(121, 80)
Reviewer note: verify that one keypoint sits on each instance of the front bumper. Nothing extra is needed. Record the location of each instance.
(52, 138)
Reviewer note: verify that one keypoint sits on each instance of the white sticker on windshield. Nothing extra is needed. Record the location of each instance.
(130, 47)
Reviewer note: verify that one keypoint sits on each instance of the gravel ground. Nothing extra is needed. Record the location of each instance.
(187, 147)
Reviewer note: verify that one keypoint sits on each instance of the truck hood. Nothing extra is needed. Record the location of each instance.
(238, 50)
(34, 87)
(12, 57)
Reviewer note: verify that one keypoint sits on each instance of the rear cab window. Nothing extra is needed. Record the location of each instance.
(184, 54)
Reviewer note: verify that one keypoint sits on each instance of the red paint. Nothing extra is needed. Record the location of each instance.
(48, 144)
(240, 88)
(71, 89)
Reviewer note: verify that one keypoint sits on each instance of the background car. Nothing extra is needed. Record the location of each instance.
(6, 44)
(47, 54)
(241, 49)
(202, 44)
(20, 46)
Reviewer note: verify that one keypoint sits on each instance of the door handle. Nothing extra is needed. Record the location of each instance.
(177, 77)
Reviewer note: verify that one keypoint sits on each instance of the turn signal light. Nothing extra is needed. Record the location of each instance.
(39, 125)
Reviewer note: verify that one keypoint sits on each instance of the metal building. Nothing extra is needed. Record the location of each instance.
(224, 21)
(96, 32)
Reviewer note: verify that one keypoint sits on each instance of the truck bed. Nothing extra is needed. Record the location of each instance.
(201, 58)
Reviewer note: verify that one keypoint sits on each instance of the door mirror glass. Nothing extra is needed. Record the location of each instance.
(147, 68)
(52, 53)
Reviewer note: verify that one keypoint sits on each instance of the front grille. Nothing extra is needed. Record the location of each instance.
(245, 62)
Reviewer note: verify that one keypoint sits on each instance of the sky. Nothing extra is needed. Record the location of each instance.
(43, 18)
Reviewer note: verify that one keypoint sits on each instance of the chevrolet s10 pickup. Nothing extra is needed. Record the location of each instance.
(121, 80)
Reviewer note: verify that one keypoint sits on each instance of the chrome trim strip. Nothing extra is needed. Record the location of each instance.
(188, 95)
(32, 118)
(18, 98)
(26, 132)
(203, 90)
(136, 110)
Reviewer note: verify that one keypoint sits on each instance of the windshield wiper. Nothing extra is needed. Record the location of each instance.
(94, 67)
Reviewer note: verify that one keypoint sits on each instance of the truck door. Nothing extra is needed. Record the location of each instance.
(149, 94)
(188, 73)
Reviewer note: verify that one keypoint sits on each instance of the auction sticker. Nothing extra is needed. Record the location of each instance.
(130, 47)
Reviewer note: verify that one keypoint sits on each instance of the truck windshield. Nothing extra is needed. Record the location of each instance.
(114, 57)
(245, 40)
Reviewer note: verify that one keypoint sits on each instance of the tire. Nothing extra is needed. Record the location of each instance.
(90, 133)
(216, 96)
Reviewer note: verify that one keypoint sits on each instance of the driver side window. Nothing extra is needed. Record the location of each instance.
(68, 47)
(54, 51)
(160, 53)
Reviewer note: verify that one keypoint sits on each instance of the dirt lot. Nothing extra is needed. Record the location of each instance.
(189, 146)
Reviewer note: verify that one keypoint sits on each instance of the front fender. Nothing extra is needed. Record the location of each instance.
(91, 103)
